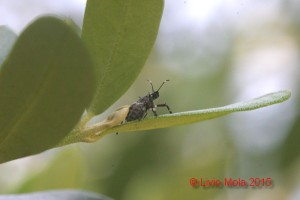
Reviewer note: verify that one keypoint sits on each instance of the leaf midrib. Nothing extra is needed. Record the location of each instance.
(107, 69)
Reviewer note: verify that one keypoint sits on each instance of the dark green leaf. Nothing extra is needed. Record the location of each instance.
(120, 35)
(45, 84)
(7, 39)
(56, 195)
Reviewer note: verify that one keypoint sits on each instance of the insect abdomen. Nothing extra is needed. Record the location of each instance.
(136, 112)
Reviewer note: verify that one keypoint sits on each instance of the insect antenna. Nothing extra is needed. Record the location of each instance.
(163, 84)
(151, 85)
(159, 87)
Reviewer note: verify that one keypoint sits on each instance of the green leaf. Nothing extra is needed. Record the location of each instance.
(45, 84)
(56, 194)
(96, 131)
(182, 118)
(7, 39)
(120, 35)
(290, 150)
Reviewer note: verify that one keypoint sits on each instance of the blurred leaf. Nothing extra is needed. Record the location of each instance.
(159, 169)
(58, 194)
(120, 35)
(65, 171)
(176, 119)
(7, 39)
(45, 84)
(290, 150)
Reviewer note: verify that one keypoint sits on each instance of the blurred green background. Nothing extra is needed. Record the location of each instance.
(215, 53)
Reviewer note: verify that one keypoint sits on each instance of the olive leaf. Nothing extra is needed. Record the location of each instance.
(120, 35)
(182, 118)
(46, 82)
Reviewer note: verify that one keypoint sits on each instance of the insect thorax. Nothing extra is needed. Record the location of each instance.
(147, 101)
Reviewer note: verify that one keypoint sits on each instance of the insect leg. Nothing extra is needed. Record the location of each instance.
(154, 112)
(164, 105)
(145, 115)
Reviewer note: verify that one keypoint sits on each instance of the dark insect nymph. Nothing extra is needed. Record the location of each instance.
(139, 109)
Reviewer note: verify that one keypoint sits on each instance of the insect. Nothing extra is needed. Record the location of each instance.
(139, 109)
